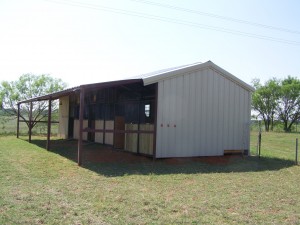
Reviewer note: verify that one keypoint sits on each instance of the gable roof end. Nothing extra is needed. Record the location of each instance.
(173, 72)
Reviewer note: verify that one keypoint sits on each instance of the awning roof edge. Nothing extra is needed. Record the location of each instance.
(56, 95)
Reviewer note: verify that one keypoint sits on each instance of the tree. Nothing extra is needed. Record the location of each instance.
(265, 100)
(26, 87)
(288, 107)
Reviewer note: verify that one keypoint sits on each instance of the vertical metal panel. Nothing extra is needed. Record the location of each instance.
(211, 114)
(220, 115)
(226, 112)
(185, 105)
(192, 113)
(179, 114)
(159, 138)
(155, 122)
(205, 102)
(197, 127)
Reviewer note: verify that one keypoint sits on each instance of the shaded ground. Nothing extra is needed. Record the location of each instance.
(109, 162)
(98, 153)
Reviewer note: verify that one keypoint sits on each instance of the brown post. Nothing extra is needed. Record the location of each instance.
(30, 122)
(18, 121)
(81, 112)
(49, 124)
(296, 159)
(139, 126)
(155, 121)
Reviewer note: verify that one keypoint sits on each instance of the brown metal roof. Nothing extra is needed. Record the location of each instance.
(56, 95)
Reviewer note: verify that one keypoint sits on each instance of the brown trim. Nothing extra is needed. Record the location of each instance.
(119, 131)
(49, 124)
(155, 121)
(111, 83)
(81, 112)
(18, 121)
(30, 122)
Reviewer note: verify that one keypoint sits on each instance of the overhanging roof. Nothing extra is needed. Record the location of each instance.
(68, 91)
(147, 79)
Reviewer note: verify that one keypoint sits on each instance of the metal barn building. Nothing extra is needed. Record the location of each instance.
(193, 110)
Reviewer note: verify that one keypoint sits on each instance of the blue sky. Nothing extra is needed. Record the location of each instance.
(83, 41)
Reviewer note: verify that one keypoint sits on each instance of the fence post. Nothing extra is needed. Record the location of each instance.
(259, 144)
(296, 159)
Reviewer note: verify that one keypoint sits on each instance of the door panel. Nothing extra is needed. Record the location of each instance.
(119, 138)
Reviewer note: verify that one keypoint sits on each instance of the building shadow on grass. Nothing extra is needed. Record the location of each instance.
(106, 161)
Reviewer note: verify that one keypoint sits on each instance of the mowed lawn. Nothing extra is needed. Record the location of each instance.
(41, 187)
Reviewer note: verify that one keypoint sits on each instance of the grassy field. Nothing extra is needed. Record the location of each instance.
(9, 126)
(41, 187)
(275, 145)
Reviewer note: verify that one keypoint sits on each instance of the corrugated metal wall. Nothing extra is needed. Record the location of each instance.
(201, 113)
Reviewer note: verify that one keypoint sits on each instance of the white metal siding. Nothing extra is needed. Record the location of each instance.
(63, 117)
(201, 113)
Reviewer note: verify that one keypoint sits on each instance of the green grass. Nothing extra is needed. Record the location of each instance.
(8, 125)
(41, 187)
(273, 144)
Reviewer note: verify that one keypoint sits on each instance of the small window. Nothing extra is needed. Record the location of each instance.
(147, 110)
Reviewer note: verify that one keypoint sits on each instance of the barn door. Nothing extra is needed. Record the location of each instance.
(119, 138)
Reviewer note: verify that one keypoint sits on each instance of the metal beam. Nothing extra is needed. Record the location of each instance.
(155, 121)
(49, 124)
(81, 112)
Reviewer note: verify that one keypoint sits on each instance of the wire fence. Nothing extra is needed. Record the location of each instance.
(279, 145)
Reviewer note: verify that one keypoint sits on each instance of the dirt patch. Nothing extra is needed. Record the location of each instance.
(93, 152)
(214, 160)
(108, 154)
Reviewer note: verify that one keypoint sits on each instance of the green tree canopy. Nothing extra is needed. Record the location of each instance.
(277, 99)
(26, 87)
(265, 100)
(288, 107)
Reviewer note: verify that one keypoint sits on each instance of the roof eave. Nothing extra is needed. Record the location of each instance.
(59, 94)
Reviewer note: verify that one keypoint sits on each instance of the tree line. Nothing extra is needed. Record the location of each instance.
(277, 100)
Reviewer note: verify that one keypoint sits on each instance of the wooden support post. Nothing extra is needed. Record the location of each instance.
(81, 112)
(30, 122)
(139, 122)
(18, 121)
(49, 124)
(296, 159)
